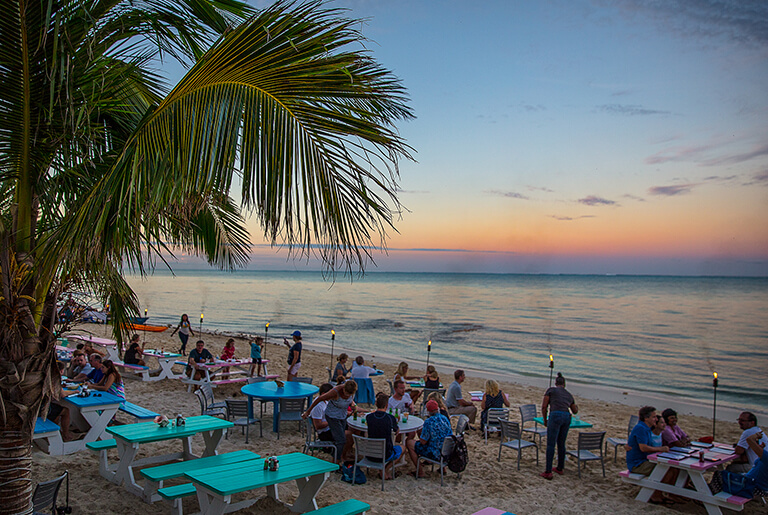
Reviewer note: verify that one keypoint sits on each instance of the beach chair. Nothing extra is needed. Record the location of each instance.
(46, 494)
(510, 438)
(528, 414)
(239, 408)
(445, 452)
(205, 410)
(312, 444)
(366, 448)
(492, 424)
(589, 442)
(290, 411)
(616, 442)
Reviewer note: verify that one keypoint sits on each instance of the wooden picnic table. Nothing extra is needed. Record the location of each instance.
(216, 485)
(165, 360)
(129, 437)
(690, 468)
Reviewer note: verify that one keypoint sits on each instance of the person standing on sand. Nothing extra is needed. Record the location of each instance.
(185, 329)
(256, 355)
(339, 399)
(294, 355)
(562, 405)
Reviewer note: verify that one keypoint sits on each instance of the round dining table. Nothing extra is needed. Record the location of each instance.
(268, 391)
(414, 424)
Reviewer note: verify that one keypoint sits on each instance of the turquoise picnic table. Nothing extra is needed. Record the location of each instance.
(216, 485)
(269, 391)
(576, 422)
(129, 437)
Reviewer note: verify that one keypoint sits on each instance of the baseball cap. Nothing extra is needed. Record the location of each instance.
(296, 333)
(432, 405)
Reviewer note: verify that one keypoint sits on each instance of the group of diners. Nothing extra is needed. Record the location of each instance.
(87, 366)
(329, 412)
(659, 433)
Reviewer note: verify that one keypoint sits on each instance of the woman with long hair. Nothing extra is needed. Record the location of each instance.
(112, 382)
(135, 352)
(492, 398)
(185, 329)
(402, 375)
(340, 398)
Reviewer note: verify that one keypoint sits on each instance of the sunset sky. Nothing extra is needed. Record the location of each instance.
(577, 136)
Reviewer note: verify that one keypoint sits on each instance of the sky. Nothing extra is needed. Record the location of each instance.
(590, 137)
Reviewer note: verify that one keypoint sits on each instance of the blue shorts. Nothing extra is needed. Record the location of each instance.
(397, 451)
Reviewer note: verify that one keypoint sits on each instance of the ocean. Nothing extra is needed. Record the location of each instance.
(656, 334)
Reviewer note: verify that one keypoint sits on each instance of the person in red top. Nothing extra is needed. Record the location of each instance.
(227, 353)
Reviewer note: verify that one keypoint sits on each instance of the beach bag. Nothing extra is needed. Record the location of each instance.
(459, 457)
(737, 484)
(346, 475)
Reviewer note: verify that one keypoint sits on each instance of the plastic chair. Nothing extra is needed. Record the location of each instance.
(492, 422)
(589, 442)
(290, 411)
(239, 408)
(445, 452)
(510, 438)
(46, 494)
(311, 443)
(205, 410)
(209, 399)
(366, 448)
(616, 442)
(527, 414)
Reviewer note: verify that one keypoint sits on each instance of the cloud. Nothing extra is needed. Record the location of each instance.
(630, 110)
(759, 151)
(671, 191)
(677, 154)
(507, 194)
(758, 179)
(531, 108)
(570, 218)
(413, 192)
(592, 200)
(540, 188)
(738, 21)
(633, 197)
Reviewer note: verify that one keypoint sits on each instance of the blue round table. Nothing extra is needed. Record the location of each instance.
(267, 391)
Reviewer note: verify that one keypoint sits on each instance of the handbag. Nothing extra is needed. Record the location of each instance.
(737, 484)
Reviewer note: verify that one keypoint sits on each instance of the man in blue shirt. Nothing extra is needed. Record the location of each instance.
(433, 433)
(640, 446)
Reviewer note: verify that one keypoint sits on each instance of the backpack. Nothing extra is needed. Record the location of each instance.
(346, 475)
(459, 457)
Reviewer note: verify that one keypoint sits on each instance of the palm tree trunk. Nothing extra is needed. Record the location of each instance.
(15, 464)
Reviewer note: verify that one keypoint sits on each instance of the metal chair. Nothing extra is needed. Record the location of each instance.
(290, 411)
(427, 392)
(589, 442)
(445, 452)
(528, 414)
(209, 399)
(239, 408)
(616, 442)
(205, 410)
(391, 387)
(510, 438)
(258, 379)
(462, 423)
(367, 448)
(492, 421)
(303, 380)
(46, 494)
(312, 444)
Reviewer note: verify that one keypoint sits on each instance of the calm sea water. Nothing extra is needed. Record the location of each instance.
(658, 334)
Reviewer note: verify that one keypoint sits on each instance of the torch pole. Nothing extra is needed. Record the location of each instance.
(714, 404)
(429, 350)
(145, 327)
(200, 329)
(266, 332)
(333, 341)
(551, 369)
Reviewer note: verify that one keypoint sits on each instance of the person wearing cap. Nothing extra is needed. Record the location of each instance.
(430, 442)
(294, 355)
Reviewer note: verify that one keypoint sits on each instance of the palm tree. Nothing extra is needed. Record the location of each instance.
(102, 167)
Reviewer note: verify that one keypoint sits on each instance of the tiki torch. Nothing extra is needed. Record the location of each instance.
(551, 369)
(200, 329)
(714, 403)
(145, 325)
(333, 340)
(266, 332)
(429, 349)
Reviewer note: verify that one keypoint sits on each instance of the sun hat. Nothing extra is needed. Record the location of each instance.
(296, 334)
(432, 405)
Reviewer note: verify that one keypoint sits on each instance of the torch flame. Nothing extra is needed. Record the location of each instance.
(145, 312)
(201, 316)
(267, 326)
(714, 374)
(550, 358)
(333, 332)
(429, 344)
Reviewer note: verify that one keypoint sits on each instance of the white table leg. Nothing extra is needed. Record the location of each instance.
(272, 492)
(701, 486)
(308, 488)
(212, 441)
(126, 453)
(98, 421)
(186, 449)
(657, 475)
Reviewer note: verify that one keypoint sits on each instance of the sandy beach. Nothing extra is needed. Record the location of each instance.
(486, 482)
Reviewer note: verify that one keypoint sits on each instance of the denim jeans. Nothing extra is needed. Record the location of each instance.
(338, 427)
(557, 431)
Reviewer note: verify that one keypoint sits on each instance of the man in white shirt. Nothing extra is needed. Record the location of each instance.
(400, 400)
(318, 416)
(747, 457)
(360, 371)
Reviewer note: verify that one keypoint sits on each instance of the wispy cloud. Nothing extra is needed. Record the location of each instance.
(570, 218)
(630, 110)
(413, 192)
(593, 200)
(671, 191)
(540, 188)
(740, 21)
(507, 194)
(633, 197)
(759, 151)
(758, 179)
(683, 153)
(532, 108)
